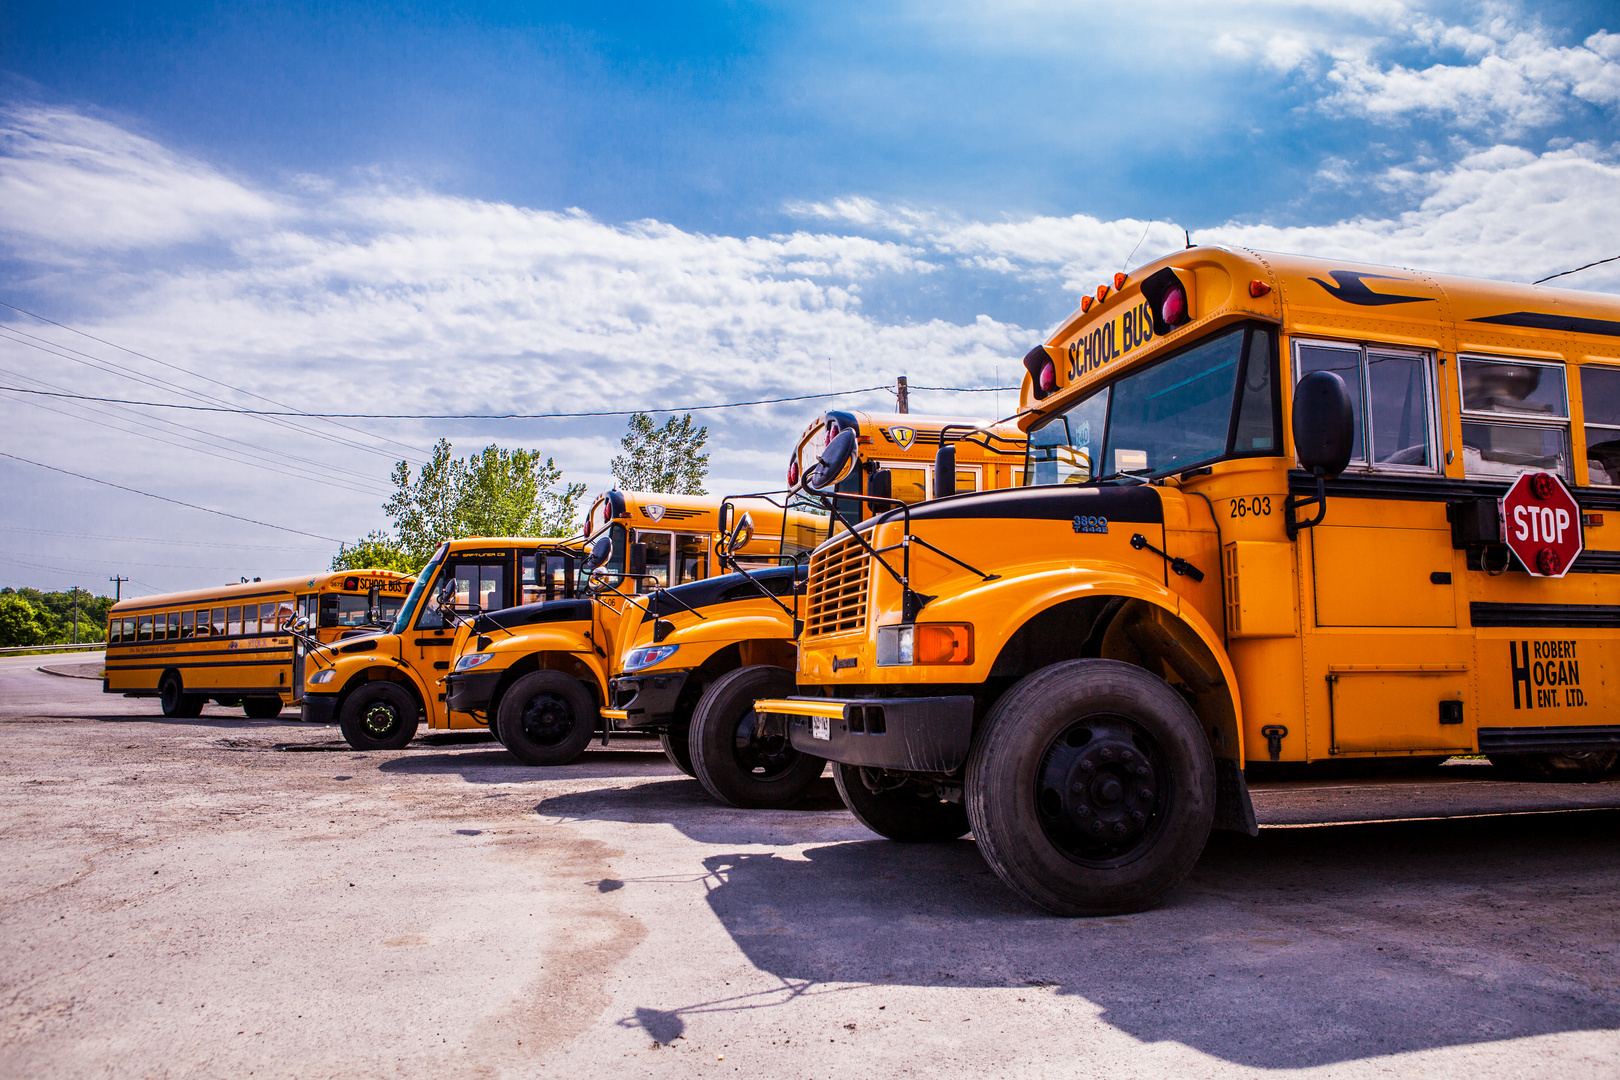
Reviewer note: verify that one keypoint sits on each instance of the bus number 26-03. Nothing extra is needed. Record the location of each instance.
(1254, 506)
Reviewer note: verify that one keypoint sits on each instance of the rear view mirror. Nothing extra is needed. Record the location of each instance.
(447, 591)
(601, 552)
(880, 486)
(637, 564)
(373, 595)
(834, 464)
(945, 470)
(1324, 439)
(741, 535)
(1324, 424)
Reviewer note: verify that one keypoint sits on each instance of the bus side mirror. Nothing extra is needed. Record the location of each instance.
(741, 535)
(1324, 424)
(447, 591)
(601, 552)
(1324, 438)
(834, 464)
(636, 564)
(373, 596)
(945, 470)
(880, 485)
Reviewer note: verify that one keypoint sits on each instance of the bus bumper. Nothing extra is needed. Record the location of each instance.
(318, 708)
(645, 700)
(470, 692)
(928, 734)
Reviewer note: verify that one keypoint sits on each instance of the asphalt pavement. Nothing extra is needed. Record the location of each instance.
(231, 897)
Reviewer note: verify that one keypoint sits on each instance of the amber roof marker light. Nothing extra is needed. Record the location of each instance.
(1258, 288)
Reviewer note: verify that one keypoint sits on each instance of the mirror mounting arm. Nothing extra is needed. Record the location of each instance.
(1292, 524)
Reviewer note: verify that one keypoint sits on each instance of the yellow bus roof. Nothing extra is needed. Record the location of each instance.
(1319, 297)
(237, 592)
(915, 436)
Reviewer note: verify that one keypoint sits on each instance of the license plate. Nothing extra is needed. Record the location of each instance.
(820, 728)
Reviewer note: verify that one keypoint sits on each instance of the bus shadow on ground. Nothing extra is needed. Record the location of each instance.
(683, 804)
(1301, 948)
(491, 763)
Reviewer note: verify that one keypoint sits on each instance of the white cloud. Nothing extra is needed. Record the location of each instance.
(1517, 78)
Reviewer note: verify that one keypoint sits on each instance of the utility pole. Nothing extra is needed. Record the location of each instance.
(903, 405)
(118, 585)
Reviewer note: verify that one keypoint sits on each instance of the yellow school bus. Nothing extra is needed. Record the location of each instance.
(537, 676)
(380, 688)
(692, 666)
(1262, 526)
(232, 644)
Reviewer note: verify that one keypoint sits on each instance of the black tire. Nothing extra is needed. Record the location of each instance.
(1091, 788)
(262, 708)
(678, 749)
(1582, 767)
(171, 696)
(902, 809)
(740, 758)
(546, 718)
(380, 715)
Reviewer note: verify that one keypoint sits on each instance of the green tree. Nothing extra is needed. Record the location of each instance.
(492, 493)
(664, 459)
(375, 551)
(20, 623)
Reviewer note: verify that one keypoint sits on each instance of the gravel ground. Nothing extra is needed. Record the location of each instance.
(226, 897)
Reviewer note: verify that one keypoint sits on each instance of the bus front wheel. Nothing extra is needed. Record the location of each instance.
(1091, 788)
(677, 747)
(900, 808)
(380, 715)
(546, 718)
(742, 758)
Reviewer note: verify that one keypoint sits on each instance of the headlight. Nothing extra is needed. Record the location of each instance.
(647, 657)
(925, 643)
(472, 660)
(325, 675)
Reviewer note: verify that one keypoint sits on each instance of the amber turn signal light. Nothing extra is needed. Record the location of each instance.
(1085, 304)
(943, 643)
(1119, 281)
(1258, 288)
(1102, 293)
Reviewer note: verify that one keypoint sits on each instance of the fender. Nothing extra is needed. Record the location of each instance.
(1030, 591)
(352, 681)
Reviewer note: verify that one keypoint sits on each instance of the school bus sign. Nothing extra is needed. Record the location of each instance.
(1542, 524)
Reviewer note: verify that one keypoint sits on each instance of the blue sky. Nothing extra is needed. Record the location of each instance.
(606, 204)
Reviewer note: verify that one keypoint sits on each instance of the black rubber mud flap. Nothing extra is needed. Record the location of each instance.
(1234, 811)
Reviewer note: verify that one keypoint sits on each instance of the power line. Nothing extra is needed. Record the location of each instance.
(165, 498)
(499, 416)
(237, 389)
(1578, 269)
(153, 539)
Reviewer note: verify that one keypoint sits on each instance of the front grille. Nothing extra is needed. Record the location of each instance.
(836, 595)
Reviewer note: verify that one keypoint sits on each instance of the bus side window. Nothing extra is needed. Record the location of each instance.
(115, 631)
(908, 485)
(692, 558)
(186, 625)
(267, 618)
(129, 631)
(1600, 402)
(145, 631)
(174, 626)
(233, 621)
(1515, 417)
(529, 580)
(1389, 397)
(250, 619)
(217, 620)
(658, 549)
(202, 623)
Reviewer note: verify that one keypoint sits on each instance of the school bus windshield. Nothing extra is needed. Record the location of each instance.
(1211, 401)
(403, 623)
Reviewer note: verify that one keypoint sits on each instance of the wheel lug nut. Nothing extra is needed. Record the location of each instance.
(1141, 770)
(1083, 811)
(1097, 826)
(1119, 827)
(1087, 765)
(1138, 817)
(1145, 793)
(1106, 753)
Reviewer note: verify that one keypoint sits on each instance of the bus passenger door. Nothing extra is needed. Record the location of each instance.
(1386, 666)
(303, 604)
(481, 578)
